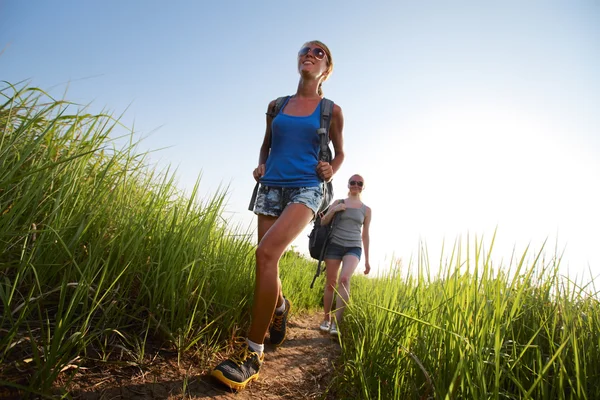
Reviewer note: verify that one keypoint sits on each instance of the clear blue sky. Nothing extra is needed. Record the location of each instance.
(462, 116)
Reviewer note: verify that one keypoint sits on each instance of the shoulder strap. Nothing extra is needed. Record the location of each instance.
(323, 131)
(326, 111)
(279, 102)
(273, 111)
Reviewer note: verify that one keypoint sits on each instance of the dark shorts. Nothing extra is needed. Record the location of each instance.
(272, 201)
(337, 252)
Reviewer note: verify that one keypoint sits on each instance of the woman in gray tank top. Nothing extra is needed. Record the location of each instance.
(348, 238)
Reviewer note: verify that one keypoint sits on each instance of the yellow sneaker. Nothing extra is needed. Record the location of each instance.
(241, 368)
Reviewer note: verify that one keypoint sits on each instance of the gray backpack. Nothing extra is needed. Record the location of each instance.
(325, 153)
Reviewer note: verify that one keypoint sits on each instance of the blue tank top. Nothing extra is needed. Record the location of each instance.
(294, 154)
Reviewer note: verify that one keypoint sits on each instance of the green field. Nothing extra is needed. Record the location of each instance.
(103, 258)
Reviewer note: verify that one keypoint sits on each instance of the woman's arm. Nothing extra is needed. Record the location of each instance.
(266, 145)
(335, 207)
(327, 170)
(366, 239)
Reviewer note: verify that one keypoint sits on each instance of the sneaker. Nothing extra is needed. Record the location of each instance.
(325, 325)
(334, 330)
(241, 367)
(277, 330)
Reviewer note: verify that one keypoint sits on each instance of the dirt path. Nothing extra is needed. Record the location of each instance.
(301, 368)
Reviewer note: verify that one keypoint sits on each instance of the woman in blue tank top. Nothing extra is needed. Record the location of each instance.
(348, 238)
(291, 190)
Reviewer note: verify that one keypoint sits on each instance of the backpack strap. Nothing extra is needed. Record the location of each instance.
(277, 106)
(273, 111)
(253, 198)
(325, 153)
(323, 131)
(322, 255)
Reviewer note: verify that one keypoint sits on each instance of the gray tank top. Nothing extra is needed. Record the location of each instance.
(348, 228)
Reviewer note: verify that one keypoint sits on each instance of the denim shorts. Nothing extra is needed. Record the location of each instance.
(337, 252)
(272, 201)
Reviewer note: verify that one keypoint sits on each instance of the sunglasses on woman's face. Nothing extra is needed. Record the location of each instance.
(317, 52)
(359, 183)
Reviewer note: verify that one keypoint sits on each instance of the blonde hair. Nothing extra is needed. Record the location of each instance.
(329, 62)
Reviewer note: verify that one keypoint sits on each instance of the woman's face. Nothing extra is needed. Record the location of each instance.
(312, 60)
(356, 184)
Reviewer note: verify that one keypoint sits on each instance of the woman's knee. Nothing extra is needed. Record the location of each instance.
(330, 286)
(344, 281)
(265, 257)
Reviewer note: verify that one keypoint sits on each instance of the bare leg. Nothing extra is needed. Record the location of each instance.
(349, 264)
(277, 234)
(264, 224)
(331, 269)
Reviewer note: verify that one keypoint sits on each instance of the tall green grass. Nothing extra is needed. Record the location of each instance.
(473, 331)
(102, 259)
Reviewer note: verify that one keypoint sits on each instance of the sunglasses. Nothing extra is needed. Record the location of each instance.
(359, 183)
(317, 52)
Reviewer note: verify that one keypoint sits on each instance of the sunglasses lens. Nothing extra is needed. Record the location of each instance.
(304, 51)
(318, 53)
(359, 183)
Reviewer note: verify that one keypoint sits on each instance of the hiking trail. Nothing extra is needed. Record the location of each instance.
(301, 368)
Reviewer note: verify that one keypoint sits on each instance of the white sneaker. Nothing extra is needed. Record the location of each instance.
(324, 326)
(333, 331)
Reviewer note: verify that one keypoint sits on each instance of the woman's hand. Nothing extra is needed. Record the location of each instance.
(325, 171)
(258, 172)
(340, 207)
(367, 267)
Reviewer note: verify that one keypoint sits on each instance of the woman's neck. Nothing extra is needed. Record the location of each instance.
(308, 89)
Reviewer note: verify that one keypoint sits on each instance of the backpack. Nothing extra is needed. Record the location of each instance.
(319, 239)
(325, 153)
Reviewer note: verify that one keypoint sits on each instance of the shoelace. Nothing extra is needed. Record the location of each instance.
(278, 321)
(242, 352)
(241, 355)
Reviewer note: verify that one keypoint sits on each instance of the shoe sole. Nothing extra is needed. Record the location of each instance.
(233, 384)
